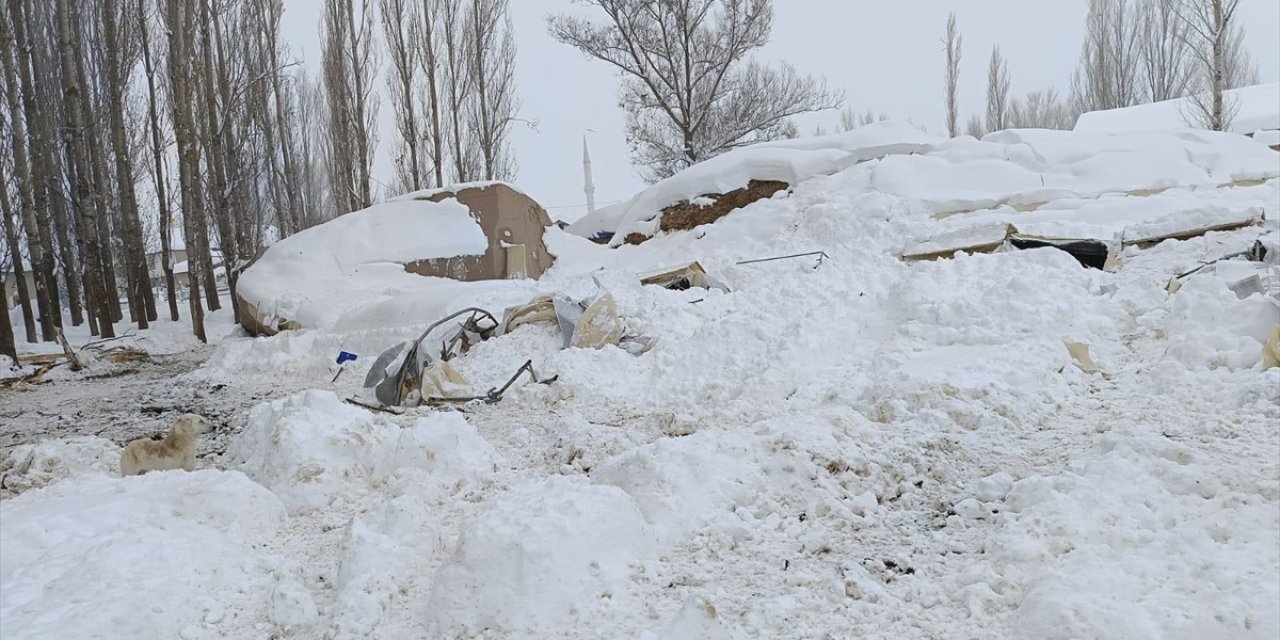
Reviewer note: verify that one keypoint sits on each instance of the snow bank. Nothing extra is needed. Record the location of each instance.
(1144, 541)
(790, 161)
(358, 259)
(536, 555)
(427, 194)
(1028, 168)
(851, 449)
(164, 555)
(312, 449)
(31, 466)
(1210, 327)
(1258, 107)
(682, 483)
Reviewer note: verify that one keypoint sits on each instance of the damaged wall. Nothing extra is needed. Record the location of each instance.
(507, 217)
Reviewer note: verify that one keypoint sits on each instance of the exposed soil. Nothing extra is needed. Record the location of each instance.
(687, 215)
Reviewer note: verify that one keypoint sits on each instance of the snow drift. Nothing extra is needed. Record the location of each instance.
(357, 260)
(1257, 108)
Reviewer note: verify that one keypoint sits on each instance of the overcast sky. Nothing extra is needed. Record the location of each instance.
(885, 56)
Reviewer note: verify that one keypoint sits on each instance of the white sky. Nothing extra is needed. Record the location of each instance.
(885, 55)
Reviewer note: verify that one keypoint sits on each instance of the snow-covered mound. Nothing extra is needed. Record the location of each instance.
(1256, 108)
(1031, 167)
(862, 447)
(31, 466)
(355, 264)
(312, 448)
(1018, 168)
(537, 555)
(163, 555)
(789, 161)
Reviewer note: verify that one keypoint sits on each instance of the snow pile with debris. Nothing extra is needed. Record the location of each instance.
(1255, 108)
(312, 448)
(357, 260)
(857, 447)
(790, 161)
(31, 466)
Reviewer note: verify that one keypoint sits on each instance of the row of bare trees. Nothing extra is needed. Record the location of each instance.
(1134, 51)
(134, 127)
(451, 81)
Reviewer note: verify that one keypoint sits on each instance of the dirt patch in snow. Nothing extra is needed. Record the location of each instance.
(689, 214)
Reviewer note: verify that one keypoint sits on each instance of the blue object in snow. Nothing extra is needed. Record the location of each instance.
(344, 356)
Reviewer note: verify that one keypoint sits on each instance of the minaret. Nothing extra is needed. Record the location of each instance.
(588, 187)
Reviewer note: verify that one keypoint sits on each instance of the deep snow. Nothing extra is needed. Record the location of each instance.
(867, 448)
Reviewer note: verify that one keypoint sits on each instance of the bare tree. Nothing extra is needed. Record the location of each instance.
(401, 27)
(307, 137)
(180, 25)
(429, 50)
(100, 284)
(160, 178)
(1107, 77)
(691, 90)
(997, 91)
(975, 127)
(953, 42)
(1220, 62)
(1166, 68)
(18, 138)
(34, 178)
(1041, 110)
(349, 68)
(120, 50)
(458, 91)
(491, 62)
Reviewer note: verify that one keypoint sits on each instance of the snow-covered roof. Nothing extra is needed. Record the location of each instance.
(1258, 109)
(351, 261)
(425, 194)
(791, 161)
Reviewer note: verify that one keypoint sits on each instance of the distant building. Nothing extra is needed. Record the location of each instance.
(11, 287)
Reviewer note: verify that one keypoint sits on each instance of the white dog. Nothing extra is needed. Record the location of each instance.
(176, 451)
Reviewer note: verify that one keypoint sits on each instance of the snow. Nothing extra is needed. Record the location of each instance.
(1029, 168)
(582, 538)
(161, 555)
(427, 194)
(790, 161)
(357, 260)
(866, 448)
(311, 448)
(1257, 107)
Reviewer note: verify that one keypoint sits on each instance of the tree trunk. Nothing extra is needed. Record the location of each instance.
(24, 185)
(1217, 119)
(32, 192)
(19, 271)
(221, 131)
(68, 43)
(131, 225)
(179, 24)
(7, 345)
(157, 155)
(98, 177)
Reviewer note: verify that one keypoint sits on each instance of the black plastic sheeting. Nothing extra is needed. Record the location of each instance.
(1089, 253)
